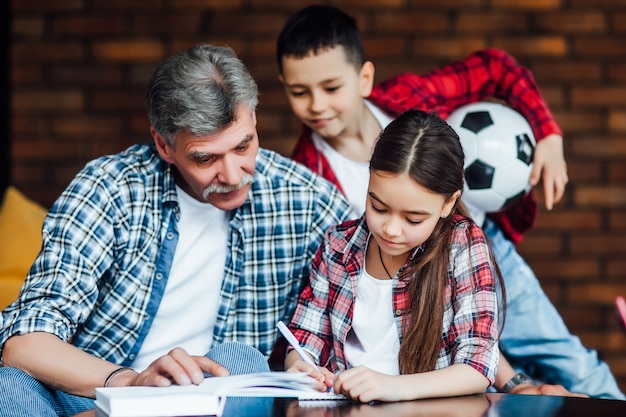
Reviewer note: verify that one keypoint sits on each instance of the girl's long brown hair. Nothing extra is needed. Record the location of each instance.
(426, 148)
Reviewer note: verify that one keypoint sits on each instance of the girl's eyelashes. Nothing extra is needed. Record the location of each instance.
(409, 221)
(376, 209)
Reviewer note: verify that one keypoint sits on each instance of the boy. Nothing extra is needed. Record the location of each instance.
(330, 88)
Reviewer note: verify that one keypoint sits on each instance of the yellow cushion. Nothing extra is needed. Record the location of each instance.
(20, 241)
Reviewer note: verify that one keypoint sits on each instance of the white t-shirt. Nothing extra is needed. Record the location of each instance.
(188, 310)
(373, 340)
(352, 175)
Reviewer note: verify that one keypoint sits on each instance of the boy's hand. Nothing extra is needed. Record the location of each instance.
(549, 166)
(363, 384)
(325, 378)
(545, 389)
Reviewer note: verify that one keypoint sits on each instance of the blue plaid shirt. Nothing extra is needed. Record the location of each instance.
(109, 241)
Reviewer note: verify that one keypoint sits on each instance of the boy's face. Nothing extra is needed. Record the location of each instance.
(326, 92)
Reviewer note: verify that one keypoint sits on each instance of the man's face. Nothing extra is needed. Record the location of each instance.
(325, 91)
(219, 168)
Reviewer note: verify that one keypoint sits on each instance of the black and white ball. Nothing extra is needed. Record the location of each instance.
(499, 147)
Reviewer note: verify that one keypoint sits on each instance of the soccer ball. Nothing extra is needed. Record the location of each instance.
(499, 146)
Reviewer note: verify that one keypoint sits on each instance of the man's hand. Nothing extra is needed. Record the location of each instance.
(177, 367)
(550, 167)
(544, 389)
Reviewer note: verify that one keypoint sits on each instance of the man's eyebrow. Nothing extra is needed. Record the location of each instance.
(205, 155)
(200, 155)
(245, 141)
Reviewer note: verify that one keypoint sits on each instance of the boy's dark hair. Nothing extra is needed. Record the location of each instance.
(319, 27)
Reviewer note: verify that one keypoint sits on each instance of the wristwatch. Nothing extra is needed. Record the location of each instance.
(518, 379)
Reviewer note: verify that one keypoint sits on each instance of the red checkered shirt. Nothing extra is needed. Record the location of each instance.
(490, 73)
(470, 320)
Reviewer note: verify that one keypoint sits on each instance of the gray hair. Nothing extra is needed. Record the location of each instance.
(199, 91)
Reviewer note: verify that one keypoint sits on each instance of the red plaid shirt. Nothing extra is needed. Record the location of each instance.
(490, 73)
(323, 317)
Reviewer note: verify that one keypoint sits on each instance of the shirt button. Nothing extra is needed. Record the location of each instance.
(131, 356)
(398, 313)
(169, 236)
(159, 276)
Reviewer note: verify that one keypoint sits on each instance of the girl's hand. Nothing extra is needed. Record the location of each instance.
(325, 379)
(550, 167)
(363, 384)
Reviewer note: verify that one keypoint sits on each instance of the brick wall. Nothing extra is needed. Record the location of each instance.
(79, 70)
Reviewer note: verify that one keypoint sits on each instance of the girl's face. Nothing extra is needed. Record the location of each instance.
(400, 213)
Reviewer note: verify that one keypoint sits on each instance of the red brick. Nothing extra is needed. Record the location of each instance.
(599, 46)
(617, 171)
(349, 4)
(579, 171)
(129, 5)
(147, 24)
(88, 25)
(576, 22)
(412, 23)
(118, 100)
(568, 220)
(567, 71)
(86, 126)
(617, 120)
(130, 50)
(554, 46)
(450, 49)
(37, 101)
(615, 267)
(565, 269)
(603, 96)
(43, 51)
(46, 6)
(489, 22)
(580, 121)
(596, 293)
(527, 4)
(449, 4)
(85, 75)
(244, 24)
(26, 75)
(27, 26)
(619, 22)
(597, 244)
(617, 72)
(206, 4)
(598, 147)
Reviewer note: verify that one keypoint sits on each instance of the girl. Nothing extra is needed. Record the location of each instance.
(402, 303)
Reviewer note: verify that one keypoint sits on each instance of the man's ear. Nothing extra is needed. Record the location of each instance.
(163, 148)
(367, 78)
(281, 79)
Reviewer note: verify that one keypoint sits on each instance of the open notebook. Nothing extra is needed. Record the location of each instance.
(208, 398)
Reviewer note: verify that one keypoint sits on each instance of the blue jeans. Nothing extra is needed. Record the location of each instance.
(23, 396)
(535, 339)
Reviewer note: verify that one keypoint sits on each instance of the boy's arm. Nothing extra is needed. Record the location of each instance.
(486, 74)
